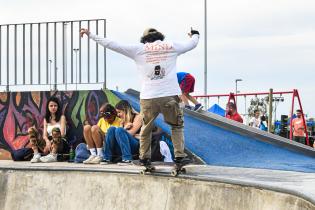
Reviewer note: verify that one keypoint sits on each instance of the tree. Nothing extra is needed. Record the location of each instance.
(258, 104)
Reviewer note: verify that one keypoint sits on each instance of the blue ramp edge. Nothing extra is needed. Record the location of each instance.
(217, 146)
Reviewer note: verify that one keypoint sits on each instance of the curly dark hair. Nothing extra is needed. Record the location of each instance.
(152, 36)
(107, 110)
(232, 105)
(58, 112)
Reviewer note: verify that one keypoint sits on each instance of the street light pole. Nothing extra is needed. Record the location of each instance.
(206, 55)
(76, 50)
(237, 80)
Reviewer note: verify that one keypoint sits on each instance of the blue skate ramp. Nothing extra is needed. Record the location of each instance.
(222, 142)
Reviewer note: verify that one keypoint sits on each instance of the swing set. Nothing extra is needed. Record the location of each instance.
(232, 97)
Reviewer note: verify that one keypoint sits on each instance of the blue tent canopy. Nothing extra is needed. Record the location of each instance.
(216, 109)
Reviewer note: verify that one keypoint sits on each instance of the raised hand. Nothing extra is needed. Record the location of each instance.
(84, 31)
(192, 32)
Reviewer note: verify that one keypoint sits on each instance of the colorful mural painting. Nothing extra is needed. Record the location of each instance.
(21, 110)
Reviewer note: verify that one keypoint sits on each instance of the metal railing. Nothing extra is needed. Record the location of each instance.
(51, 54)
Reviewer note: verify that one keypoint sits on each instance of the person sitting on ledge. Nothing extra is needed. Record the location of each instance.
(124, 141)
(95, 134)
(53, 140)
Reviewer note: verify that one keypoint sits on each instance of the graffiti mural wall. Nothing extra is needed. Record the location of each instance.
(21, 110)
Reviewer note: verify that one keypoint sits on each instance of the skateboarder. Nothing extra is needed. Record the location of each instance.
(156, 62)
(186, 83)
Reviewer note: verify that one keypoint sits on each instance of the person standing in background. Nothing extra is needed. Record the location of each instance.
(298, 128)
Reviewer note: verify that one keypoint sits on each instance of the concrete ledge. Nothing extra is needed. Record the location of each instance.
(77, 186)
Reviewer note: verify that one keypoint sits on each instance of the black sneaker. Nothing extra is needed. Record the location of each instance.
(145, 162)
(105, 162)
(182, 160)
(198, 107)
(125, 163)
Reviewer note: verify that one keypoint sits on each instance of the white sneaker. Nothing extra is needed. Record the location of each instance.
(96, 160)
(88, 161)
(36, 158)
(49, 158)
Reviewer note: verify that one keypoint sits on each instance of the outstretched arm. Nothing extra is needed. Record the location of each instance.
(190, 44)
(127, 50)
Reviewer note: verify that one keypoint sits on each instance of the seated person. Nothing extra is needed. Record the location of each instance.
(95, 134)
(232, 114)
(124, 141)
(53, 140)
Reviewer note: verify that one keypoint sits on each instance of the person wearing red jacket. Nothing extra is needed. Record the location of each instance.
(232, 114)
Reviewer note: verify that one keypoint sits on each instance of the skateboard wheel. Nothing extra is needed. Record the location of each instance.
(174, 173)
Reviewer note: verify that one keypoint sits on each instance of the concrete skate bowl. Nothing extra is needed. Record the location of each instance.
(76, 189)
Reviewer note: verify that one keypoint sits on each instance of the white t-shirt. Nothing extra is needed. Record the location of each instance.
(255, 122)
(156, 63)
(50, 127)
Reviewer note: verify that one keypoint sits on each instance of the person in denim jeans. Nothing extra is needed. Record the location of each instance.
(123, 141)
(95, 134)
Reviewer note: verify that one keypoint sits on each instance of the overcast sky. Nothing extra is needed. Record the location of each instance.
(267, 43)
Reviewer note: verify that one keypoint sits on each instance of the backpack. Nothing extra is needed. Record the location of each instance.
(24, 154)
(167, 139)
(155, 146)
(81, 153)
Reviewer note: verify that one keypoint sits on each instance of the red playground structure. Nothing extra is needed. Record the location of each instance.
(295, 94)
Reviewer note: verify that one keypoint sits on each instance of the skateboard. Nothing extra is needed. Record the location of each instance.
(147, 170)
(178, 169)
(175, 171)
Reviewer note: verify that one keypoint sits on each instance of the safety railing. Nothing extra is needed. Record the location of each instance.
(51, 56)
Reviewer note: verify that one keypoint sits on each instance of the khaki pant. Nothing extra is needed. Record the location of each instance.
(173, 115)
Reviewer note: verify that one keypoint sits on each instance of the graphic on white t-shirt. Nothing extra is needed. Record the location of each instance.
(159, 73)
